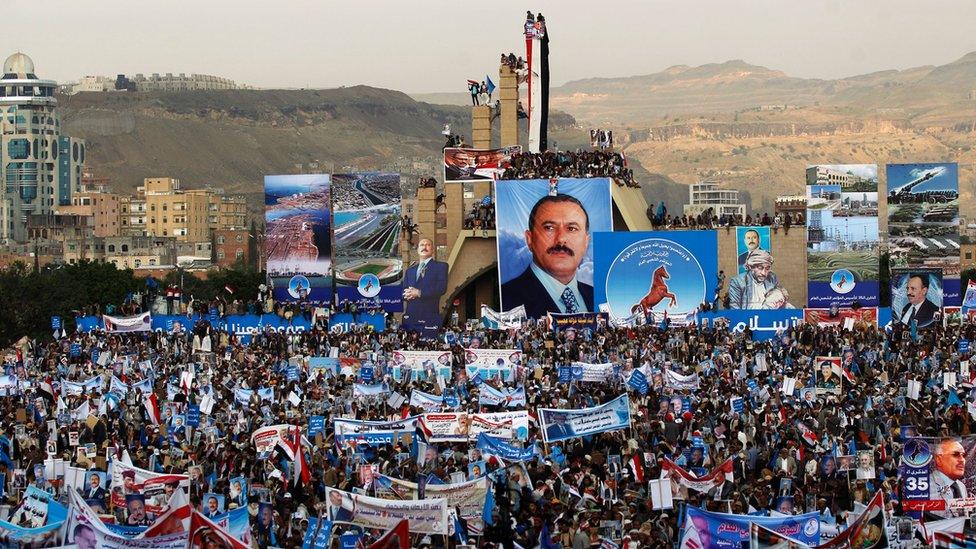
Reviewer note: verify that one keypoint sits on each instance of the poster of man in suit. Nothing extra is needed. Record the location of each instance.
(424, 283)
(545, 252)
(916, 296)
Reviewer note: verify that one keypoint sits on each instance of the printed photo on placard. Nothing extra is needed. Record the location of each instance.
(916, 296)
(829, 375)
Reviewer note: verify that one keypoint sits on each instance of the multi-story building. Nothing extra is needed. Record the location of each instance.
(39, 167)
(59, 229)
(232, 246)
(103, 208)
(792, 204)
(823, 175)
(93, 84)
(179, 82)
(705, 195)
(162, 208)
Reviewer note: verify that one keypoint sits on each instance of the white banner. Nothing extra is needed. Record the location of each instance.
(562, 424)
(511, 319)
(427, 401)
(419, 365)
(468, 496)
(491, 363)
(428, 516)
(592, 372)
(120, 324)
(677, 381)
(266, 439)
(519, 419)
(376, 433)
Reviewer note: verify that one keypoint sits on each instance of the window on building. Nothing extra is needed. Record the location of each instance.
(240, 237)
(111, 248)
(137, 263)
(220, 255)
(220, 239)
(125, 247)
(240, 254)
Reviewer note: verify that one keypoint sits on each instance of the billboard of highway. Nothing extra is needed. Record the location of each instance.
(298, 243)
(367, 225)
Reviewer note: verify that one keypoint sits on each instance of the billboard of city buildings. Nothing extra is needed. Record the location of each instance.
(923, 221)
(843, 244)
(297, 237)
(367, 225)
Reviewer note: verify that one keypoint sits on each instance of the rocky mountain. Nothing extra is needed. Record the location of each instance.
(231, 139)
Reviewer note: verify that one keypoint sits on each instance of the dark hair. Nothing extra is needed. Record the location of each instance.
(924, 277)
(752, 231)
(556, 199)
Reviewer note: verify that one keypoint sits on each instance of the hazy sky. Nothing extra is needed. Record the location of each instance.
(428, 46)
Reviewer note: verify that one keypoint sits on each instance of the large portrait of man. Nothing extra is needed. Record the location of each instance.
(748, 240)
(916, 296)
(424, 283)
(545, 258)
(757, 287)
(947, 476)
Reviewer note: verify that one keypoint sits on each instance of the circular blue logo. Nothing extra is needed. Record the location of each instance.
(916, 453)
(299, 287)
(369, 285)
(842, 281)
(656, 275)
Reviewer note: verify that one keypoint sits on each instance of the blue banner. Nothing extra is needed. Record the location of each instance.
(366, 373)
(193, 415)
(318, 534)
(763, 324)
(504, 450)
(578, 321)
(655, 273)
(316, 425)
(55, 322)
(563, 424)
(964, 346)
(728, 530)
(638, 381)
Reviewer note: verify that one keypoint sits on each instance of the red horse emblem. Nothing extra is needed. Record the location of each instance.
(658, 291)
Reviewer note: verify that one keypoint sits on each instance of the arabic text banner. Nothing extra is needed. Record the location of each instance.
(935, 475)
(707, 529)
(367, 225)
(843, 242)
(428, 516)
(376, 433)
(561, 424)
(468, 496)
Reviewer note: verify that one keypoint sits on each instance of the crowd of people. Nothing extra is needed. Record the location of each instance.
(481, 216)
(579, 163)
(579, 491)
(709, 219)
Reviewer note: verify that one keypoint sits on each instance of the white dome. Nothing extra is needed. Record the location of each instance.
(19, 64)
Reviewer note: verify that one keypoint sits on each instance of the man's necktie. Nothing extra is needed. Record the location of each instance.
(569, 300)
(956, 492)
(420, 270)
(912, 316)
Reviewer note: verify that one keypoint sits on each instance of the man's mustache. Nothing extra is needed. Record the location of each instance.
(560, 248)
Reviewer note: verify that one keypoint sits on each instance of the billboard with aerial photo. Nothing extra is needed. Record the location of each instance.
(477, 164)
(923, 220)
(655, 273)
(367, 221)
(298, 243)
(843, 244)
(548, 265)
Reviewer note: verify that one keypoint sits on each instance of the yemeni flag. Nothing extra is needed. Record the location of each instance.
(397, 537)
(152, 407)
(293, 446)
(636, 464)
